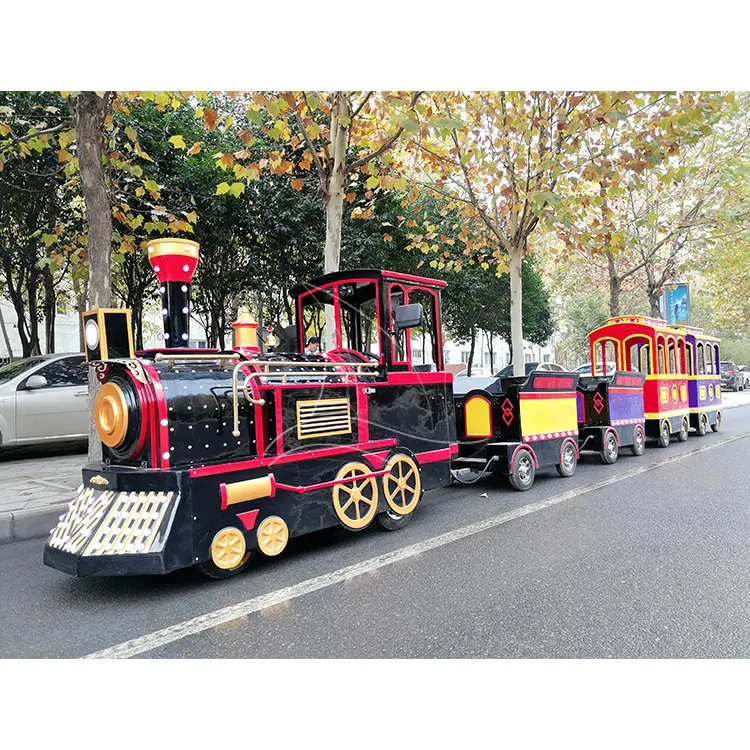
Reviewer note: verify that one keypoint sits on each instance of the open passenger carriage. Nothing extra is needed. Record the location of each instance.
(636, 344)
(516, 426)
(211, 455)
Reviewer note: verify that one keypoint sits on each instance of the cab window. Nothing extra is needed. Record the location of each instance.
(358, 305)
(425, 347)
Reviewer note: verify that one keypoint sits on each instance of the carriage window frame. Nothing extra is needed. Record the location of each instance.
(600, 354)
(436, 321)
(661, 356)
(392, 335)
(690, 363)
(673, 358)
(341, 333)
(709, 359)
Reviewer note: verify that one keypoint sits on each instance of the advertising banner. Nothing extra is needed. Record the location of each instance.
(676, 303)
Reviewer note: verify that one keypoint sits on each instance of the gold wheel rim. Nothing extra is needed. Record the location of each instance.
(273, 535)
(355, 502)
(402, 485)
(228, 548)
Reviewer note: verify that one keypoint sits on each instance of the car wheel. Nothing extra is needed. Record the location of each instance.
(717, 425)
(664, 434)
(703, 425)
(682, 435)
(610, 450)
(639, 442)
(568, 461)
(522, 471)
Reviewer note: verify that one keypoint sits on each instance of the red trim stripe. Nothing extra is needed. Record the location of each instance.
(442, 454)
(414, 279)
(555, 394)
(257, 463)
(548, 382)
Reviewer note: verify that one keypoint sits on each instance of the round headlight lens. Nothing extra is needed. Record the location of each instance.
(92, 334)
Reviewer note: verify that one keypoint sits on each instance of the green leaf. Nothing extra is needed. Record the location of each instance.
(130, 133)
(49, 239)
(254, 116)
(222, 188)
(410, 126)
(373, 182)
(446, 122)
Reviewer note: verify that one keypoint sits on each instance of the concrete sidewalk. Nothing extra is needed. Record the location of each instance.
(36, 485)
(35, 488)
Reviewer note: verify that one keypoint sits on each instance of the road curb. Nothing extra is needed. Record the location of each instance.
(21, 525)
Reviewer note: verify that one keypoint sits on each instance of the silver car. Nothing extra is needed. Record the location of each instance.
(44, 399)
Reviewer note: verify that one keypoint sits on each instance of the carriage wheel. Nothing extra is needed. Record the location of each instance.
(402, 486)
(522, 476)
(610, 450)
(273, 535)
(664, 433)
(716, 426)
(568, 460)
(229, 554)
(682, 435)
(356, 501)
(703, 424)
(639, 442)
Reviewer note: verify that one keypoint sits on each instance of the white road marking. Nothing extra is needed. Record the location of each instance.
(210, 620)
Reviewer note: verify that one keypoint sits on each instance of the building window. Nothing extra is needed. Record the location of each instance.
(465, 356)
(527, 358)
(416, 355)
(547, 358)
(197, 344)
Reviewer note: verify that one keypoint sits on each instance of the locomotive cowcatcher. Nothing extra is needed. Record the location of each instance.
(210, 455)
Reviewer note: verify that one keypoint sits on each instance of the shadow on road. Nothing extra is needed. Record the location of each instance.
(26, 452)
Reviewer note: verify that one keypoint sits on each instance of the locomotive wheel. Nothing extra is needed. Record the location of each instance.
(568, 462)
(682, 435)
(717, 425)
(355, 502)
(639, 442)
(702, 425)
(229, 555)
(391, 521)
(610, 451)
(663, 439)
(402, 486)
(523, 471)
(273, 535)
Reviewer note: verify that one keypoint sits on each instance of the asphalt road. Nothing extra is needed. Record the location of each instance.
(655, 564)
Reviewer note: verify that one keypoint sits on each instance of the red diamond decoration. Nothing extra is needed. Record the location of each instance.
(507, 412)
(598, 402)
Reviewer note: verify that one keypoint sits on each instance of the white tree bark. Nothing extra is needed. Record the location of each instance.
(334, 200)
(516, 310)
(5, 334)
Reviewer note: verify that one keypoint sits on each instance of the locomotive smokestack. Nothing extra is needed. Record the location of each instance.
(174, 262)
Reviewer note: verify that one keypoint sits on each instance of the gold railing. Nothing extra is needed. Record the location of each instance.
(266, 372)
(171, 358)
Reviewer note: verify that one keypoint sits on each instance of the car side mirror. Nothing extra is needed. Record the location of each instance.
(36, 381)
(407, 316)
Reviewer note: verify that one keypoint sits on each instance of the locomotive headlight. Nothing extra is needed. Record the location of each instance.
(92, 334)
(111, 415)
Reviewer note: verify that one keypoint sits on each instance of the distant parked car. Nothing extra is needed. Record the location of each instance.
(745, 376)
(44, 399)
(731, 377)
(586, 369)
(507, 372)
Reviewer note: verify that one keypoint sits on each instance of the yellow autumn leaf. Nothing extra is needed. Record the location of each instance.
(178, 141)
(372, 182)
(298, 184)
(222, 188)
(63, 156)
(195, 148)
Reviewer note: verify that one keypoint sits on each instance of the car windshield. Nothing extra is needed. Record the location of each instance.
(14, 369)
(507, 372)
(726, 366)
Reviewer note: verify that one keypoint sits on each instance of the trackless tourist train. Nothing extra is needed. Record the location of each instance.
(211, 456)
